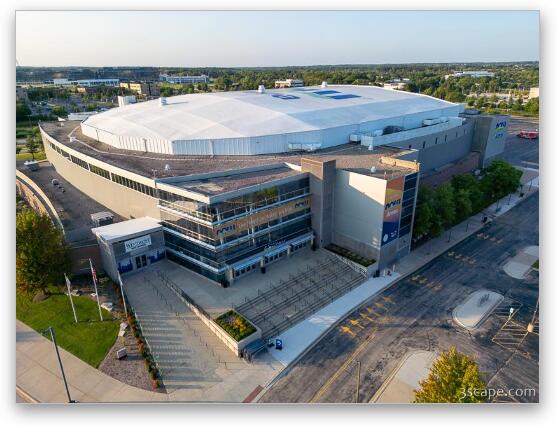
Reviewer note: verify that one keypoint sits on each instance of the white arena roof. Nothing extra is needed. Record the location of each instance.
(244, 115)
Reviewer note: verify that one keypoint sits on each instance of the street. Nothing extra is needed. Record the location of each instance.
(416, 313)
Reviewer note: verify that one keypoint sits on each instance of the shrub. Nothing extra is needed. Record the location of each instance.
(235, 325)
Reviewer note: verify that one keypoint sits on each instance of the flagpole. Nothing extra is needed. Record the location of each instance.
(94, 274)
(70, 295)
(122, 290)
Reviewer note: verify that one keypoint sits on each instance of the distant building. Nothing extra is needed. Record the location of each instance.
(289, 82)
(396, 84)
(84, 83)
(473, 74)
(142, 88)
(534, 92)
(21, 94)
(184, 79)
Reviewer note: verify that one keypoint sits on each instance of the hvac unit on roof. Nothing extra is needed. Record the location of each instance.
(167, 167)
(373, 169)
(324, 84)
(162, 101)
(261, 88)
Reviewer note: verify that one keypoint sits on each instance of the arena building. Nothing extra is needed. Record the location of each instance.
(228, 183)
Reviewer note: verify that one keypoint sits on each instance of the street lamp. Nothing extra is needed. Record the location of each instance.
(53, 336)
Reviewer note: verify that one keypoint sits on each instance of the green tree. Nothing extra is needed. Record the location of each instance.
(454, 378)
(33, 144)
(444, 205)
(424, 215)
(42, 255)
(533, 106)
(463, 205)
(59, 111)
(470, 184)
(499, 179)
(22, 111)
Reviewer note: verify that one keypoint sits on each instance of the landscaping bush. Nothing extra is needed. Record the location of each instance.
(235, 325)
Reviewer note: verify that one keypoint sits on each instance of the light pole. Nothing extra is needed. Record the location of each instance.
(53, 336)
(358, 382)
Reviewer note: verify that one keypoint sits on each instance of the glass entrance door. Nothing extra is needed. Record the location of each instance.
(140, 261)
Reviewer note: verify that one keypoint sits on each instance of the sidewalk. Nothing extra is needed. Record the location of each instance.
(38, 375)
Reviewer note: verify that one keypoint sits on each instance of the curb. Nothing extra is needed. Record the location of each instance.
(27, 396)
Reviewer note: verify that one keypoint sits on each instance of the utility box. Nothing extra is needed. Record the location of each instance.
(102, 219)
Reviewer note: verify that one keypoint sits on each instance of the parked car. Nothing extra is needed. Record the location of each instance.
(528, 134)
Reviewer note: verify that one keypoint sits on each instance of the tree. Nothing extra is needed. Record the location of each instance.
(59, 111)
(443, 204)
(22, 111)
(454, 378)
(470, 184)
(42, 255)
(533, 106)
(32, 144)
(424, 213)
(499, 179)
(463, 205)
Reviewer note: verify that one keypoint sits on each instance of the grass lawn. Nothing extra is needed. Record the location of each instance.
(89, 340)
(23, 156)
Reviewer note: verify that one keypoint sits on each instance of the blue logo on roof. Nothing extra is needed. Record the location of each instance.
(284, 96)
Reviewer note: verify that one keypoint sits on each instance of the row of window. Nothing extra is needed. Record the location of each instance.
(145, 189)
(100, 171)
(136, 186)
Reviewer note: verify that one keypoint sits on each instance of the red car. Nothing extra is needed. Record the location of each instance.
(528, 134)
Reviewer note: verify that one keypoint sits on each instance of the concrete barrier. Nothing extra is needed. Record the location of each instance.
(42, 203)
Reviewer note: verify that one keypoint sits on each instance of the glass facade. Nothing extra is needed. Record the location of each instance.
(241, 227)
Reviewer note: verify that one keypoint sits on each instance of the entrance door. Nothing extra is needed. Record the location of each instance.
(140, 261)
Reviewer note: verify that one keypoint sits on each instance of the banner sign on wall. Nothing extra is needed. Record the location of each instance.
(137, 243)
(393, 204)
(253, 220)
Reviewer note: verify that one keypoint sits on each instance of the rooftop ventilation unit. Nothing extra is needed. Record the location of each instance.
(73, 138)
(162, 101)
(373, 169)
(324, 84)
(261, 89)
(167, 167)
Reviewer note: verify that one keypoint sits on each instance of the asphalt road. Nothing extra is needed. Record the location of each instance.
(417, 314)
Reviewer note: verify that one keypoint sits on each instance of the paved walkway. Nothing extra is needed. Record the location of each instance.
(38, 375)
(520, 264)
(299, 338)
(196, 366)
(400, 385)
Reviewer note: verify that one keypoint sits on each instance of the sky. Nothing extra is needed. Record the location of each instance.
(248, 39)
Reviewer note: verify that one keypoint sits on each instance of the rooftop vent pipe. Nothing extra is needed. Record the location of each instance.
(162, 101)
(261, 89)
(324, 84)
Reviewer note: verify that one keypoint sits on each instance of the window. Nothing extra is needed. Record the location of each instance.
(445, 138)
(436, 138)
(409, 146)
(423, 146)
